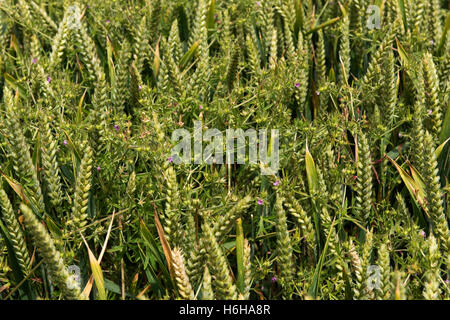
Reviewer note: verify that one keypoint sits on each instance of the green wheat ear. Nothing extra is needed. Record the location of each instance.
(98, 113)
(199, 80)
(344, 51)
(355, 260)
(432, 290)
(170, 74)
(303, 220)
(42, 16)
(334, 245)
(383, 292)
(360, 289)
(140, 48)
(226, 221)
(254, 60)
(284, 246)
(435, 204)
(417, 131)
(207, 291)
(172, 212)
(60, 41)
(120, 88)
(194, 260)
(248, 277)
(153, 25)
(321, 71)
(301, 67)
(51, 256)
(182, 279)
(273, 50)
(377, 59)
(174, 42)
(20, 152)
(433, 104)
(363, 180)
(49, 150)
(88, 52)
(25, 14)
(15, 232)
(224, 286)
(82, 188)
(233, 66)
(389, 89)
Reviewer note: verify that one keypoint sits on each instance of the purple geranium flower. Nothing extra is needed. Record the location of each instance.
(259, 202)
(276, 183)
(297, 85)
(116, 127)
(170, 159)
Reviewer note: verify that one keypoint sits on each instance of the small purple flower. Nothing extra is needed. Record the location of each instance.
(201, 107)
(430, 112)
(259, 202)
(215, 16)
(116, 127)
(423, 233)
(276, 183)
(274, 279)
(98, 168)
(297, 85)
(65, 142)
(49, 79)
(447, 281)
(400, 135)
(258, 3)
(107, 21)
(34, 60)
(170, 159)
(262, 287)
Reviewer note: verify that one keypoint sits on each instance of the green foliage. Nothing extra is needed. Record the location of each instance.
(91, 92)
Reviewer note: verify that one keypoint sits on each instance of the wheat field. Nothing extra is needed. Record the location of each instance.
(94, 206)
